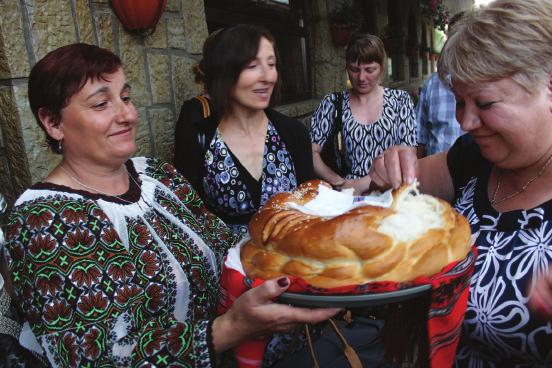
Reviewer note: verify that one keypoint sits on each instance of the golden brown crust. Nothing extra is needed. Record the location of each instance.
(353, 248)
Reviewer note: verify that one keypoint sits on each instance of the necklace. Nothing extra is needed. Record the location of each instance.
(89, 188)
(494, 200)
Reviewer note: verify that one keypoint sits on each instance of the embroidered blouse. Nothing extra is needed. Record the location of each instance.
(102, 281)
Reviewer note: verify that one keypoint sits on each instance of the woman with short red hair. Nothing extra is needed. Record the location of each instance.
(114, 260)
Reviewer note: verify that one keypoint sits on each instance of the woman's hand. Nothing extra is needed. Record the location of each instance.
(541, 296)
(323, 171)
(254, 314)
(397, 165)
(359, 185)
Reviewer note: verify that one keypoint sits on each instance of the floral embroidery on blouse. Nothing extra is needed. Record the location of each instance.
(117, 284)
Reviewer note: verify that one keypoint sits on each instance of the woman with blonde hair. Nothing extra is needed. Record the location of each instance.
(498, 61)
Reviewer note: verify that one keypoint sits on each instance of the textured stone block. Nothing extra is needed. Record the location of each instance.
(175, 33)
(40, 158)
(299, 109)
(183, 80)
(328, 78)
(173, 5)
(14, 62)
(14, 147)
(84, 22)
(143, 135)
(160, 83)
(52, 25)
(5, 72)
(132, 56)
(159, 38)
(195, 25)
(6, 188)
(104, 30)
(162, 122)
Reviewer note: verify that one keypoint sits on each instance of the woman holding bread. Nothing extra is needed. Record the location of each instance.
(498, 62)
(371, 117)
(247, 152)
(114, 260)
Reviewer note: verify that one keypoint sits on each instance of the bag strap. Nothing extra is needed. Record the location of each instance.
(350, 353)
(311, 350)
(205, 105)
(203, 133)
(338, 104)
(338, 126)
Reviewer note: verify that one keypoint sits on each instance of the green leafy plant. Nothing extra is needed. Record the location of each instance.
(436, 11)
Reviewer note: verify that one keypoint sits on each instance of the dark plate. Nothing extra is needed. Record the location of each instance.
(352, 301)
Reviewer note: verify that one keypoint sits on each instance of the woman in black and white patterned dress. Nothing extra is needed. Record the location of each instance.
(373, 117)
(498, 61)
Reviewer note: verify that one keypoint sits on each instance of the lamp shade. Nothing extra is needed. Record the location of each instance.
(138, 15)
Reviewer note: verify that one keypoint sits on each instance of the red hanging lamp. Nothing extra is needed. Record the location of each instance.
(139, 15)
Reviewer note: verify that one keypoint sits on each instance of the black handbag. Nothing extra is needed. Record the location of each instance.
(348, 342)
(333, 151)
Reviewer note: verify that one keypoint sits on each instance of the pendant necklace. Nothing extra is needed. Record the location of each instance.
(92, 189)
(494, 200)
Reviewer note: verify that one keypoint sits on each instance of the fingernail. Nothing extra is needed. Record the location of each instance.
(283, 281)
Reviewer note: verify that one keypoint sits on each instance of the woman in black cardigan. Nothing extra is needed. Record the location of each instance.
(245, 153)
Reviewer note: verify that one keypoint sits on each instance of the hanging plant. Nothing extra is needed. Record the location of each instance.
(435, 11)
(341, 21)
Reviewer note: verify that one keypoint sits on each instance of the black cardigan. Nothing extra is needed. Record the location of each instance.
(191, 113)
(193, 145)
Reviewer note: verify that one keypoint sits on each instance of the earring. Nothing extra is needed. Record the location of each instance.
(60, 146)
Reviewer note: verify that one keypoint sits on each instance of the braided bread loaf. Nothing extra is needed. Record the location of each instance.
(417, 236)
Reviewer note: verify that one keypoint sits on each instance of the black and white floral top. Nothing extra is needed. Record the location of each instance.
(118, 281)
(233, 192)
(513, 248)
(365, 141)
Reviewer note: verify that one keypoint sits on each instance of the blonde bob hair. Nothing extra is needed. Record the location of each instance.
(505, 39)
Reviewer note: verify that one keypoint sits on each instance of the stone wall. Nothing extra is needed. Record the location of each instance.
(157, 66)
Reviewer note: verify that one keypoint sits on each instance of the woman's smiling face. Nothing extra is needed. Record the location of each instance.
(99, 122)
(256, 81)
(511, 126)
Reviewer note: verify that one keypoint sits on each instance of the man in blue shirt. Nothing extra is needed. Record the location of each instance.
(435, 115)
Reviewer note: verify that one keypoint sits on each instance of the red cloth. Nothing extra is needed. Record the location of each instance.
(449, 297)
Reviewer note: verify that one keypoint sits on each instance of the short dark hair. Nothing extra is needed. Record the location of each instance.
(233, 49)
(61, 74)
(365, 48)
